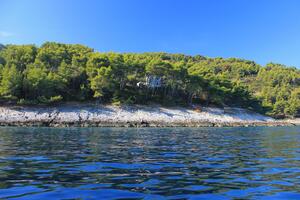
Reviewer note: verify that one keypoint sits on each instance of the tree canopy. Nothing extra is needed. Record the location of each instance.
(57, 72)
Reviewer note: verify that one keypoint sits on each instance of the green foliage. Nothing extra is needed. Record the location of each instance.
(101, 82)
(58, 72)
(11, 82)
(159, 68)
(278, 87)
(18, 56)
(35, 82)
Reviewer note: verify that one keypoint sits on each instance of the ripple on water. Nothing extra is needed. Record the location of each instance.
(172, 163)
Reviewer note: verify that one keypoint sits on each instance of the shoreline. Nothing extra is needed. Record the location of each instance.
(85, 115)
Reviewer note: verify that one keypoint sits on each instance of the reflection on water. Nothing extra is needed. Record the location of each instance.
(173, 163)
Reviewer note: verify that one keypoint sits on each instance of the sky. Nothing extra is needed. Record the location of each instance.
(260, 30)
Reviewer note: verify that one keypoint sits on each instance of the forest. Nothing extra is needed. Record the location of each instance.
(54, 73)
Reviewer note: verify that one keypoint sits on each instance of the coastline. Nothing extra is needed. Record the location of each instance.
(133, 116)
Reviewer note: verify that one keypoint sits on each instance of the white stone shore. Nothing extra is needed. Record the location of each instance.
(101, 115)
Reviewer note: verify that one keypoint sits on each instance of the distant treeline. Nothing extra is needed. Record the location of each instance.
(58, 72)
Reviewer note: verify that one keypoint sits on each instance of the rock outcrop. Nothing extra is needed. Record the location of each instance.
(132, 116)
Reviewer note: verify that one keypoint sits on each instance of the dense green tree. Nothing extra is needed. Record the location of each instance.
(35, 83)
(11, 82)
(19, 56)
(101, 83)
(66, 72)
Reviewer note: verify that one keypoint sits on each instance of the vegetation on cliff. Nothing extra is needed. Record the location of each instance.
(62, 72)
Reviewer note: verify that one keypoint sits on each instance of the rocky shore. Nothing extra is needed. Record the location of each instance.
(133, 116)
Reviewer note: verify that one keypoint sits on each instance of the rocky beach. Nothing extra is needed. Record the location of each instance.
(133, 116)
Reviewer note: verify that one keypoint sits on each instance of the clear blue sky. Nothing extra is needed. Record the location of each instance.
(259, 30)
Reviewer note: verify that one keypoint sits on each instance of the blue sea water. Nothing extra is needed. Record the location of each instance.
(150, 163)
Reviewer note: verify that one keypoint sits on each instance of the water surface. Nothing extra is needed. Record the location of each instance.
(168, 163)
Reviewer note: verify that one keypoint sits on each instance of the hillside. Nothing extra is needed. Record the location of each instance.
(58, 72)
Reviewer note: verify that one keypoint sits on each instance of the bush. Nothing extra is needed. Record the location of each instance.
(52, 100)
(56, 99)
